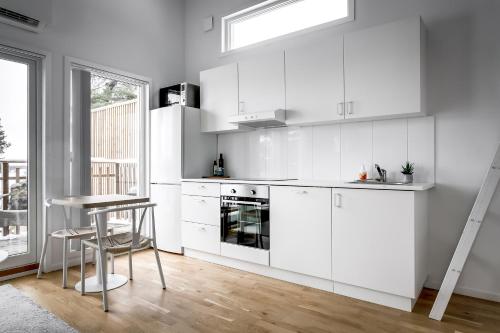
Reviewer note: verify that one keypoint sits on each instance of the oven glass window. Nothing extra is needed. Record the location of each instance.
(245, 223)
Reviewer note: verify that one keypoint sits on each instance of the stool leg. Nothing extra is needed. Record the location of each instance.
(65, 263)
(82, 268)
(130, 264)
(112, 259)
(42, 256)
(104, 277)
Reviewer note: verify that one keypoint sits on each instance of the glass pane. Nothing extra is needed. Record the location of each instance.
(285, 19)
(14, 157)
(114, 139)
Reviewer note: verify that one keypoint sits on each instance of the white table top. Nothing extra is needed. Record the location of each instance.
(98, 201)
(3, 255)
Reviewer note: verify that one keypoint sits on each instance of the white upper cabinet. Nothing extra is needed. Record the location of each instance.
(301, 230)
(219, 98)
(262, 83)
(315, 83)
(383, 70)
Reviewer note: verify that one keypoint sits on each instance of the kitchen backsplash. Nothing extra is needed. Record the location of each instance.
(334, 152)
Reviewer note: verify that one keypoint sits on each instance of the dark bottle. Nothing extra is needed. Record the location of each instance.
(221, 166)
(215, 169)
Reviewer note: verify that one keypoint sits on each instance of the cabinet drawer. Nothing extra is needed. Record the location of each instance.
(199, 209)
(201, 237)
(202, 189)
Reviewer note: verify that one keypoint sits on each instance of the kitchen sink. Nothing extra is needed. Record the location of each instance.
(376, 182)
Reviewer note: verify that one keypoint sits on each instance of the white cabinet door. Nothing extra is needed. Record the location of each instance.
(383, 70)
(315, 83)
(300, 230)
(373, 240)
(262, 83)
(218, 98)
(167, 216)
(199, 209)
(201, 237)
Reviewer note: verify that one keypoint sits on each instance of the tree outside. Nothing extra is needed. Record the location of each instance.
(106, 91)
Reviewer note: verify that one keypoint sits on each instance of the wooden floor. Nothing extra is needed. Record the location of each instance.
(203, 297)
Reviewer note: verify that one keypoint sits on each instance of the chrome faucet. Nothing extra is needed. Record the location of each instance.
(382, 173)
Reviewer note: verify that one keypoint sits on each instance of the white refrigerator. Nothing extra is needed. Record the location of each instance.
(178, 150)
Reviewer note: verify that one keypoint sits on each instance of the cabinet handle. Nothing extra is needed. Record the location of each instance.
(340, 108)
(242, 107)
(202, 187)
(337, 200)
(301, 192)
(202, 229)
(202, 201)
(350, 106)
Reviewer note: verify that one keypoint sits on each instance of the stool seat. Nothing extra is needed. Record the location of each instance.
(119, 243)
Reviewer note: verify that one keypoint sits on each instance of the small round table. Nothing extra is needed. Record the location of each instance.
(3, 255)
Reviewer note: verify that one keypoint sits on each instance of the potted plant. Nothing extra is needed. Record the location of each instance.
(407, 170)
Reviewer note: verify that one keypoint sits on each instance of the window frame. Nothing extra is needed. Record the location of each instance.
(266, 6)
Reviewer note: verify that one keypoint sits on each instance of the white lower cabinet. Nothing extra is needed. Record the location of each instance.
(379, 241)
(201, 237)
(199, 209)
(300, 230)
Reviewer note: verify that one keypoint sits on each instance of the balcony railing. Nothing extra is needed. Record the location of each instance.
(13, 171)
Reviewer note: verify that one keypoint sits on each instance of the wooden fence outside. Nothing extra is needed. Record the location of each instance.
(114, 148)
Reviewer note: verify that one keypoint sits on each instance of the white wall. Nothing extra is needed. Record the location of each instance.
(124, 34)
(463, 75)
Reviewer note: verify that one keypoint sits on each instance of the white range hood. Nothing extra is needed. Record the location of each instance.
(260, 119)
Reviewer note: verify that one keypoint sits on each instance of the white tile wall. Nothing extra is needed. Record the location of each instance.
(390, 146)
(332, 151)
(356, 149)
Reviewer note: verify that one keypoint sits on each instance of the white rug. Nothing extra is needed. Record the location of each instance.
(19, 313)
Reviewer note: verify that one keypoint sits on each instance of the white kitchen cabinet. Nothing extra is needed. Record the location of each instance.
(315, 83)
(201, 237)
(167, 216)
(201, 189)
(379, 244)
(384, 69)
(300, 230)
(262, 83)
(201, 209)
(218, 98)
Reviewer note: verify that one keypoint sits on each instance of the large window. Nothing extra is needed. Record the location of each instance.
(274, 18)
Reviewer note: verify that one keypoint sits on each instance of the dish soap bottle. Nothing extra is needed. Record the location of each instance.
(363, 175)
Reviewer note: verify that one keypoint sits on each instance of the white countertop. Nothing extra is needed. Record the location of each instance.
(316, 183)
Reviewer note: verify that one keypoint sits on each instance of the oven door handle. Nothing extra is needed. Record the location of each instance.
(250, 203)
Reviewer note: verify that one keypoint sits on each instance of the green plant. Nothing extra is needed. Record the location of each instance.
(408, 168)
(3, 140)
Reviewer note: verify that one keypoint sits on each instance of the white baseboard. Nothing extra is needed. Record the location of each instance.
(373, 296)
(271, 272)
(471, 292)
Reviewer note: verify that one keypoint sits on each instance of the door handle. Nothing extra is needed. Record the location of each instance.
(337, 200)
(350, 107)
(340, 108)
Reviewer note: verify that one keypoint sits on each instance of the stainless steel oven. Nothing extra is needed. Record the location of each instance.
(245, 215)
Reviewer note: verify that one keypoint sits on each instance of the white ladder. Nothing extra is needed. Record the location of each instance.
(469, 234)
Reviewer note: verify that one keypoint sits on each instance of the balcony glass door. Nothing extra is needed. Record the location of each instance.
(18, 156)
